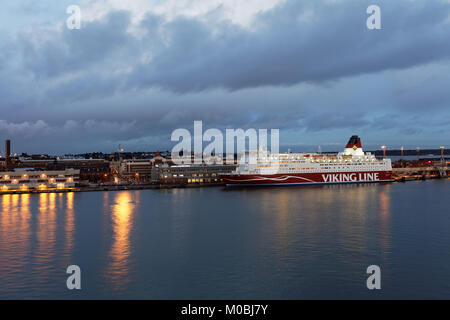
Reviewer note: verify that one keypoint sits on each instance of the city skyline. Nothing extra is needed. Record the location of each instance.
(134, 73)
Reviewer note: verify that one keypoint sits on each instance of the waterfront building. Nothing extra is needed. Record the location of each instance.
(23, 179)
(138, 170)
(190, 174)
(134, 169)
(91, 170)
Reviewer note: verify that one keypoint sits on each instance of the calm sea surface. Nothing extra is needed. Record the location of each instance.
(212, 243)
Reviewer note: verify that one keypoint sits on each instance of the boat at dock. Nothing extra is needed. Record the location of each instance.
(353, 165)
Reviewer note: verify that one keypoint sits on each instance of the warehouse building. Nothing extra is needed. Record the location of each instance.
(190, 174)
(31, 179)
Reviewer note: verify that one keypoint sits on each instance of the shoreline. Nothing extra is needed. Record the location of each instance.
(108, 188)
(165, 186)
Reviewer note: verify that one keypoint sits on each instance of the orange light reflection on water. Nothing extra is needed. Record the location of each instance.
(122, 221)
(385, 221)
(46, 235)
(15, 235)
(69, 225)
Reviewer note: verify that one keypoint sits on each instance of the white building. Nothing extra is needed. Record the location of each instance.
(22, 179)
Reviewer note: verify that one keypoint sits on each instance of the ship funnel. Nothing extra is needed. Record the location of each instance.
(354, 147)
(354, 141)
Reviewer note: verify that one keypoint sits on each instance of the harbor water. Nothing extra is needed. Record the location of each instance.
(213, 243)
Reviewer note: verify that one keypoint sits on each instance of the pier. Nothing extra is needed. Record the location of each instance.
(437, 170)
(110, 188)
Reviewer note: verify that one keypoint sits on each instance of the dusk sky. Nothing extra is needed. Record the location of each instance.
(138, 69)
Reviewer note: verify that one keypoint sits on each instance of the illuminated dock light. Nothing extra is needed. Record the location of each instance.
(384, 150)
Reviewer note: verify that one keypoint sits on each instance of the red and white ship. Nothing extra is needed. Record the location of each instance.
(350, 166)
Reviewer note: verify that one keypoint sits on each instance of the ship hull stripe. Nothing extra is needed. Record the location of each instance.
(307, 178)
(301, 184)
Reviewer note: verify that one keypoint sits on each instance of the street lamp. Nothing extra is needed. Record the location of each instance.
(384, 151)
(442, 153)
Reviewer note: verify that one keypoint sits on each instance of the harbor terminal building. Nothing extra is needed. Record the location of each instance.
(22, 179)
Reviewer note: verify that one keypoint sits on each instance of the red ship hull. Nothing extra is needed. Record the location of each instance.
(306, 178)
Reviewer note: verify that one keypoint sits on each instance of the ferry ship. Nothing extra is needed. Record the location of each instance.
(353, 165)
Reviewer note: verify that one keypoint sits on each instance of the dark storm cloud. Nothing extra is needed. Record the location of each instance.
(427, 88)
(326, 121)
(100, 44)
(303, 66)
(297, 42)
(293, 43)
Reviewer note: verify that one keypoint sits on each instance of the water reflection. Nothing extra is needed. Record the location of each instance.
(69, 226)
(46, 236)
(384, 198)
(181, 219)
(195, 243)
(15, 234)
(24, 228)
(122, 221)
(281, 210)
(6, 202)
(304, 213)
(34, 244)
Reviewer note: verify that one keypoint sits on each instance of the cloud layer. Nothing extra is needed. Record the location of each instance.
(310, 68)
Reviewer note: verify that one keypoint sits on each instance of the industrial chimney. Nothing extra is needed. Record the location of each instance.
(8, 154)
